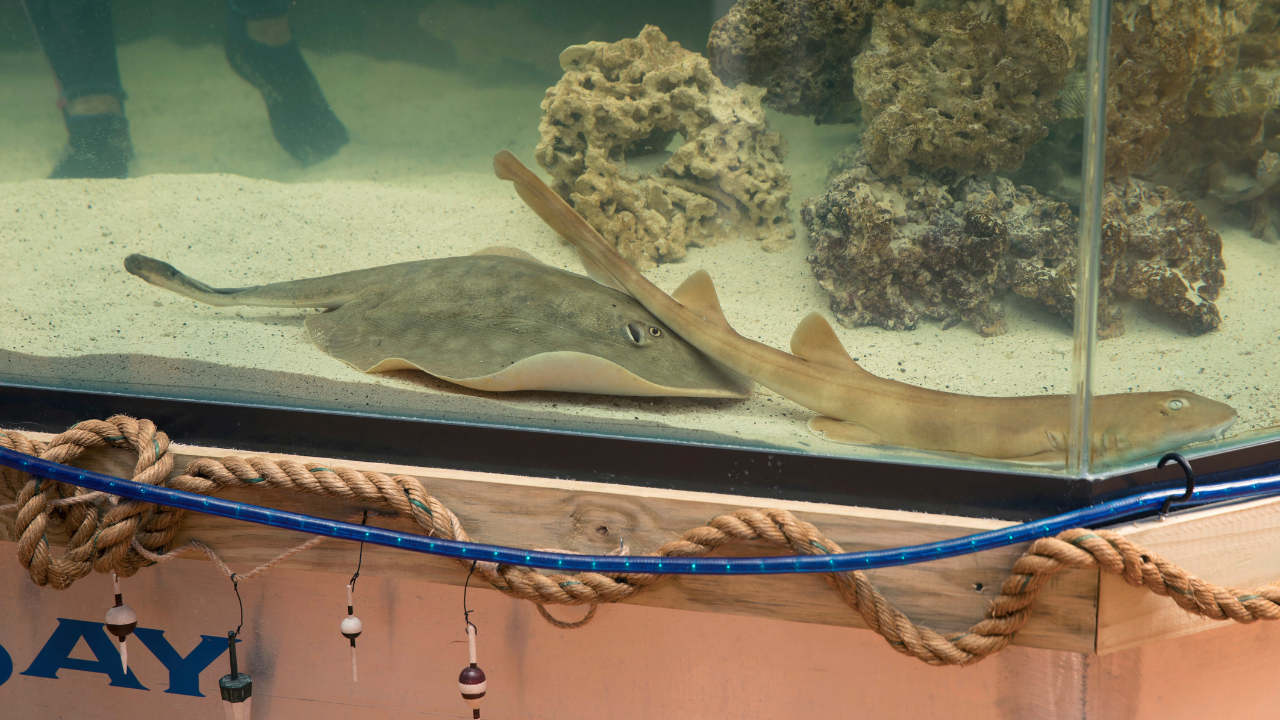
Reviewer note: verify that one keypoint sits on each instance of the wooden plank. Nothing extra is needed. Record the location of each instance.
(1233, 546)
(948, 595)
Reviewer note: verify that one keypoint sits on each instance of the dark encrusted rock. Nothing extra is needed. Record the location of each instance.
(1042, 263)
(949, 90)
(890, 251)
(797, 50)
(1172, 258)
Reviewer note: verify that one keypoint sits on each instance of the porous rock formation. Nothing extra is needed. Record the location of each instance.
(1151, 76)
(892, 250)
(608, 122)
(1212, 29)
(1163, 53)
(949, 90)
(797, 50)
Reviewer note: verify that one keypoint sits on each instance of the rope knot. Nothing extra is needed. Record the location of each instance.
(98, 530)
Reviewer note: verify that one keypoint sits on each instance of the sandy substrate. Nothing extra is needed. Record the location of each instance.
(415, 183)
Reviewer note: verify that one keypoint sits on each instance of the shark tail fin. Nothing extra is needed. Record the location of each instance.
(815, 341)
(556, 213)
(698, 295)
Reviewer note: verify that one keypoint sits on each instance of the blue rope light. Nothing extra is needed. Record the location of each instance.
(1098, 514)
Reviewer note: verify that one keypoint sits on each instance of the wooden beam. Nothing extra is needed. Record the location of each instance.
(1232, 546)
(948, 595)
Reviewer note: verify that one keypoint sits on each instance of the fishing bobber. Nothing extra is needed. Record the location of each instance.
(236, 688)
(351, 629)
(121, 621)
(472, 681)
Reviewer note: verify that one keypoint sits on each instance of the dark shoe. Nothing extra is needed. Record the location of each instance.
(301, 118)
(98, 146)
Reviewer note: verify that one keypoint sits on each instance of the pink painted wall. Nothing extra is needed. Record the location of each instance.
(632, 662)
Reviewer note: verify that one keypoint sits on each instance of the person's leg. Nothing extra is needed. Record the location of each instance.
(261, 49)
(79, 40)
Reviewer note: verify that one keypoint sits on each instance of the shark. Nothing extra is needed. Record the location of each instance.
(858, 407)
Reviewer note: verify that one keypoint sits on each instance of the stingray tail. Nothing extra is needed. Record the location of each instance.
(164, 275)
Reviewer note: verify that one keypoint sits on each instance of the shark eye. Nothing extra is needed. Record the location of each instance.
(656, 332)
(1176, 404)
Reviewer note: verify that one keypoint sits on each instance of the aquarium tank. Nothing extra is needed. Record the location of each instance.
(1035, 237)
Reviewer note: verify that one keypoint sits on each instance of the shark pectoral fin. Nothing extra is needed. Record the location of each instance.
(698, 294)
(843, 431)
(1057, 440)
(1056, 456)
(815, 341)
(1048, 458)
(555, 212)
(1112, 443)
(507, 252)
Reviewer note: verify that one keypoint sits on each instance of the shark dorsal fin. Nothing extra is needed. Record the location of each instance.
(698, 295)
(815, 341)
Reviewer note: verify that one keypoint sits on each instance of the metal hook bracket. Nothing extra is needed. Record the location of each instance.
(1191, 481)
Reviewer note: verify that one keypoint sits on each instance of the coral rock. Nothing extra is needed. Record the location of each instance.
(948, 90)
(797, 50)
(1147, 93)
(605, 129)
(1160, 49)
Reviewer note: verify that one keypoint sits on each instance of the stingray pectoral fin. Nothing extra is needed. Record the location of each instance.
(842, 431)
(568, 371)
(391, 364)
(506, 251)
(344, 335)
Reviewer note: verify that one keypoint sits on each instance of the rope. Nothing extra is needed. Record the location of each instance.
(208, 551)
(123, 537)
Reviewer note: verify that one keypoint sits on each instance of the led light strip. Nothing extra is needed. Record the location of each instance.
(1268, 483)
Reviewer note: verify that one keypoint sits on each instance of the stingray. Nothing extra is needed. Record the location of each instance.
(498, 320)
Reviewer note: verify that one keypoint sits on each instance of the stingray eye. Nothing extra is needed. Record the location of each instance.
(1176, 404)
(635, 331)
(656, 332)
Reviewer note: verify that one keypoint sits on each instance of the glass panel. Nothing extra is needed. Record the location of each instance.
(911, 176)
(1188, 337)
